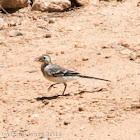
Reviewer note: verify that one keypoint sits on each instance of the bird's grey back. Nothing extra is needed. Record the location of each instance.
(56, 71)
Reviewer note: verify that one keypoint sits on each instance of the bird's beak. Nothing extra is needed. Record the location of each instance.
(38, 59)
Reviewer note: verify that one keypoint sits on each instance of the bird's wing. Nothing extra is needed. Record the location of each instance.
(58, 71)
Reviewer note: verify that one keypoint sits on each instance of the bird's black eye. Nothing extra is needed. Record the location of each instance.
(44, 58)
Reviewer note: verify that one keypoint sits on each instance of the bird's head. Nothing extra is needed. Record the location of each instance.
(44, 59)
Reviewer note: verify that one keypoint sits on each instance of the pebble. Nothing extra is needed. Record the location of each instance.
(104, 47)
(34, 119)
(111, 121)
(138, 4)
(99, 114)
(41, 106)
(125, 52)
(51, 21)
(2, 43)
(84, 59)
(98, 53)
(110, 116)
(45, 16)
(81, 109)
(91, 135)
(35, 115)
(66, 123)
(82, 128)
(62, 52)
(107, 56)
(61, 113)
(119, 48)
(48, 36)
(90, 118)
(133, 55)
(15, 33)
(45, 102)
(111, 109)
(12, 24)
(129, 98)
(126, 45)
(32, 100)
(49, 52)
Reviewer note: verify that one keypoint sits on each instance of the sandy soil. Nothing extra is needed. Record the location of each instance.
(84, 40)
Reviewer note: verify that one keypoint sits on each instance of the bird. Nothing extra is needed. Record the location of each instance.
(58, 74)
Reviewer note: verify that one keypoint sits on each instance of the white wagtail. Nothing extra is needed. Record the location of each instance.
(57, 74)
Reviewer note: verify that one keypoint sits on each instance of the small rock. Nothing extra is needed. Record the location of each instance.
(49, 52)
(90, 118)
(35, 17)
(13, 4)
(45, 17)
(104, 47)
(125, 52)
(34, 119)
(81, 109)
(113, 46)
(99, 115)
(138, 4)
(82, 128)
(35, 115)
(133, 55)
(82, 2)
(45, 102)
(66, 123)
(129, 98)
(98, 53)
(52, 105)
(51, 21)
(62, 52)
(51, 5)
(12, 24)
(84, 59)
(15, 33)
(61, 113)
(41, 106)
(111, 121)
(107, 56)
(32, 100)
(119, 47)
(92, 134)
(56, 53)
(110, 116)
(126, 45)
(48, 36)
(2, 43)
(111, 109)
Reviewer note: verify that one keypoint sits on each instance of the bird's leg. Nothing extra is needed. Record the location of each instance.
(64, 88)
(52, 86)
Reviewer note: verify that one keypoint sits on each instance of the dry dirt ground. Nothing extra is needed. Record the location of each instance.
(83, 40)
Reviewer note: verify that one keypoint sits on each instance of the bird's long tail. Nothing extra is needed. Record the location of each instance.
(82, 76)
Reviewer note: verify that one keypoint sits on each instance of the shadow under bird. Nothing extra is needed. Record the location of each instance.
(58, 74)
